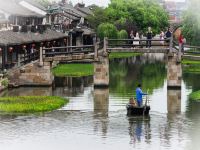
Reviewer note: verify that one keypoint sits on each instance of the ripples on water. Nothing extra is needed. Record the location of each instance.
(95, 119)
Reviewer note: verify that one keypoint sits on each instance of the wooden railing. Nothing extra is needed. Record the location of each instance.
(112, 44)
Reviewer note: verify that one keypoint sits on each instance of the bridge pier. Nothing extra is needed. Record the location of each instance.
(101, 72)
(174, 72)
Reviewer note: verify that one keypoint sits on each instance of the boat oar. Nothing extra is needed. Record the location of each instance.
(145, 106)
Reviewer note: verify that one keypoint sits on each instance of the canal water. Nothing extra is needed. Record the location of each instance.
(95, 119)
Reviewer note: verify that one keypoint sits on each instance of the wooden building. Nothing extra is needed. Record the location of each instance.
(24, 30)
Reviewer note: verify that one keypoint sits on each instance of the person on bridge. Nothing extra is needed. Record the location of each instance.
(139, 95)
(149, 37)
(168, 35)
(181, 43)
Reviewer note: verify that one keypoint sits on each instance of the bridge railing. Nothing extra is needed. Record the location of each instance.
(91, 50)
(110, 44)
(27, 58)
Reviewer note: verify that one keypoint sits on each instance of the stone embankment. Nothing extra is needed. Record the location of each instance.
(31, 74)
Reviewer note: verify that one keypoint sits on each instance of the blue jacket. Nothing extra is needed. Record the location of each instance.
(139, 94)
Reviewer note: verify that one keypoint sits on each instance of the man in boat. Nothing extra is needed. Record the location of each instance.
(139, 95)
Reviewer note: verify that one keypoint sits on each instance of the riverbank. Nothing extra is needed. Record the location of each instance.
(31, 104)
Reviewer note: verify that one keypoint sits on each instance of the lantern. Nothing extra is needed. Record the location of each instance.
(10, 49)
(33, 45)
(0, 49)
(24, 46)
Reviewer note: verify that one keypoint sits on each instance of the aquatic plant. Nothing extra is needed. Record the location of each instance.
(123, 55)
(195, 95)
(191, 66)
(30, 104)
(73, 70)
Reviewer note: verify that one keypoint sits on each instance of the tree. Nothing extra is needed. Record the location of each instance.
(106, 30)
(97, 17)
(191, 23)
(134, 15)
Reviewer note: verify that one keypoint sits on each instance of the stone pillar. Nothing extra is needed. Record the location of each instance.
(174, 73)
(101, 72)
(174, 101)
(105, 42)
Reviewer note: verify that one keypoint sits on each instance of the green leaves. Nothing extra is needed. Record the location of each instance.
(130, 15)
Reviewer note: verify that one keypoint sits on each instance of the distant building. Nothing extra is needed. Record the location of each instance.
(174, 9)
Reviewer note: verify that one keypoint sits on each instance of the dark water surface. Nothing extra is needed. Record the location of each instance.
(95, 119)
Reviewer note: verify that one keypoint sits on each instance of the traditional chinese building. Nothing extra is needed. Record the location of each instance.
(23, 31)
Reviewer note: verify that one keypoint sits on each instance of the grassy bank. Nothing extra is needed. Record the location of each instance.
(191, 66)
(74, 70)
(195, 96)
(30, 104)
(123, 55)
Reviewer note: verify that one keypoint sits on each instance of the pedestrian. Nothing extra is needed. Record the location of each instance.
(168, 35)
(139, 95)
(149, 37)
(137, 39)
(131, 36)
(181, 43)
(162, 38)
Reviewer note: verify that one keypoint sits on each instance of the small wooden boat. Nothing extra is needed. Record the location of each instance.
(134, 110)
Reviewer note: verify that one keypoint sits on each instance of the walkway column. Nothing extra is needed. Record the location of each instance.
(101, 72)
(41, 57)
(174, 73)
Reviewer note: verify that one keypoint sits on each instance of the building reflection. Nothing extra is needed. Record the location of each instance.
(139, 128)
(101, 108)
(71, 86)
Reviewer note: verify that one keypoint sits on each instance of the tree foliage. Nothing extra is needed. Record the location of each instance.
(107, 30)
(134, 15)
(191, 23)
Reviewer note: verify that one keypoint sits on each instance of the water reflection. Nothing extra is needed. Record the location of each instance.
(71, 86)
(148, 70)
(101, 108)
(139, 127)
(174, 101)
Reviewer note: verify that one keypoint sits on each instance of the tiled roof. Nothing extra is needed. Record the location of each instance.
(14, 8)
(17, 38)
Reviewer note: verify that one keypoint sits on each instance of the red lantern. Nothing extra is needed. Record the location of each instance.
(24, 46)
(10, 49)
(33, 45)
(0, 49)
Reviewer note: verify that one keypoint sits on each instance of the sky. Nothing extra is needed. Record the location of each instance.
(104, 2)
